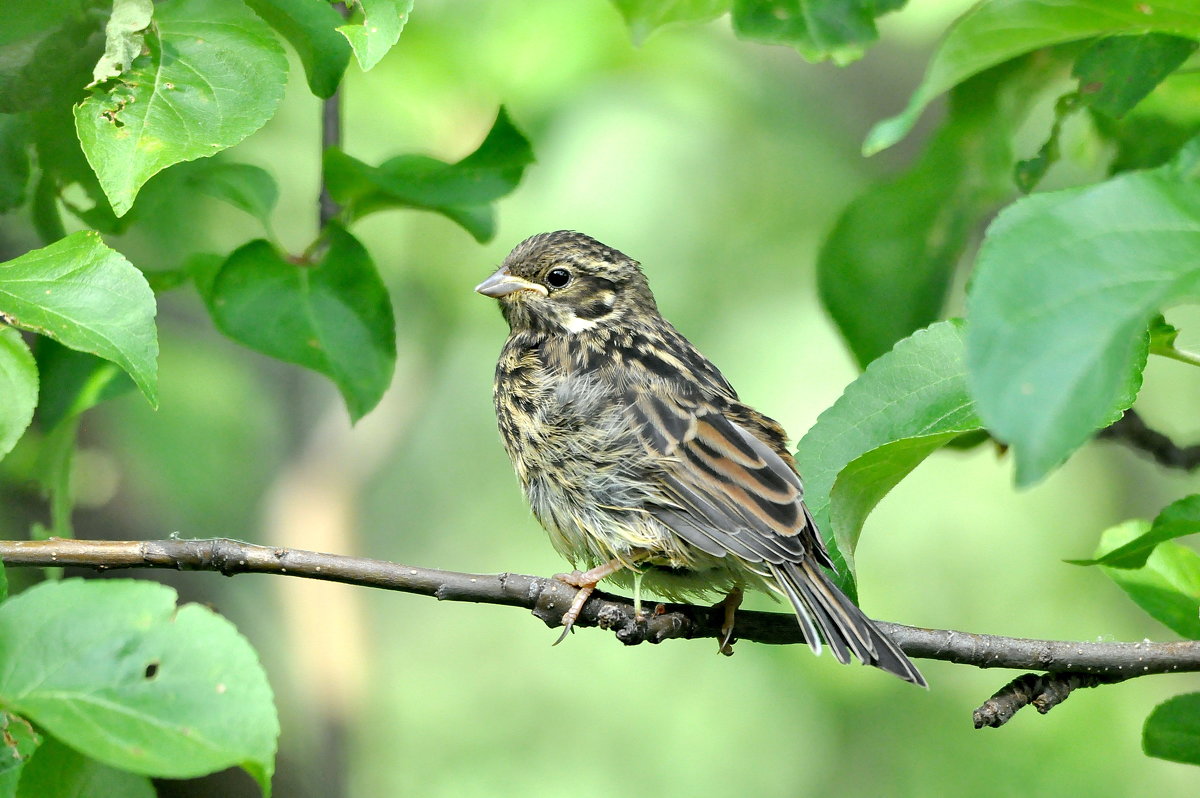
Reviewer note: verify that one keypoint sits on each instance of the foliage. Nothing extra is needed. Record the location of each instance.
(107, 108)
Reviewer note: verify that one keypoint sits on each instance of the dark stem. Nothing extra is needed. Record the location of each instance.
(331, 136)
(1132, 431)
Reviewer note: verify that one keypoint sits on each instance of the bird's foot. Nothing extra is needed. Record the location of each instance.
(729, 605)
(586, 582)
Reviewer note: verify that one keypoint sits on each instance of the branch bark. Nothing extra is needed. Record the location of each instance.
(1067, 664)
(1132, 431)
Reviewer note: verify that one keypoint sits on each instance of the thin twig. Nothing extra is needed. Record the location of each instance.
(331, 136)
(1043, 692)
(1132, 431)
(549, 598)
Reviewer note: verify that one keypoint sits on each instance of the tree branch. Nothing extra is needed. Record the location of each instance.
(1067, 664)
(1132, 431)
(1043, 692)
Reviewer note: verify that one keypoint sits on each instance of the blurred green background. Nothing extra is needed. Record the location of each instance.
(719, 165)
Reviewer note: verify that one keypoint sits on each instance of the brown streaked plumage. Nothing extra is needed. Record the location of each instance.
(639, 459)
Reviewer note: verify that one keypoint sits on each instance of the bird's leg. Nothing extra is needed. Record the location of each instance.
(637, 594)
(730, 605)
(586, 582)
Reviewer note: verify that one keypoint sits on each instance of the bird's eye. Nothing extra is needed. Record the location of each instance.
(557, 278)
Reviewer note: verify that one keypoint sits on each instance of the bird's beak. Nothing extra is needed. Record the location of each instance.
(502, 284)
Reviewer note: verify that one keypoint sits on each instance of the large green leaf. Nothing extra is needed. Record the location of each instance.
(897, 244)
(460, 191)
(1172, 730)
(87, 297)
(18, 388)
(1178, 519)
(334, 316)
(61, 772)
(214, 74)
(643, 17)
(310, 26)
(118, 672)
(376, 29)
(905, 405)
(995, 31)
(836, 29)
(1117, 72)
(1167, 587)
(1065, 286)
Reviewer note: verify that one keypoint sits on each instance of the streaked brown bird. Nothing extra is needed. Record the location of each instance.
(639, 459)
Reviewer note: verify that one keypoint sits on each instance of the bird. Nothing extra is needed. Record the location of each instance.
(640, 461)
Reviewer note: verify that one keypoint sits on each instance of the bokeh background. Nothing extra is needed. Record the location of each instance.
(720, 165)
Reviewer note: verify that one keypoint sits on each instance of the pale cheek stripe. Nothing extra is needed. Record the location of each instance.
(577, 325)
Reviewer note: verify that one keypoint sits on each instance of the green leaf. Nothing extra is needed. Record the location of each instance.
(73, 382)
(905, 405)
(221, 79)
(334, 317)
(1157, 127)
(897, 244)
(1177, 519)
(460, 191)
(643, 17)
(116, 671)
(43, 212)
(18, 387)
(1167, 587)
(818, 29)
(60, 772)
(53, 64)
(864, 482)
(249, 188)
(310, 26)
(14, 161)
(1065, 286)
(19, 742)
(376, 30)
(995, 31)
(87, 297)
(1172, 730)
(1117, 72)
(38, 18)
(124, 34)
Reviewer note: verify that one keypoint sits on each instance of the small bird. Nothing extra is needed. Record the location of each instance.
(640, 461)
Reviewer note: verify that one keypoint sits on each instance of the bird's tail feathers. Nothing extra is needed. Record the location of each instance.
(820, 605)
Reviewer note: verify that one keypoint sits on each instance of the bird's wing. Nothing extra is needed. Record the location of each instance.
(726, 490)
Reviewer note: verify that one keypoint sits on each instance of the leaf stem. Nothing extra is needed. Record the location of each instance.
(1182, 355)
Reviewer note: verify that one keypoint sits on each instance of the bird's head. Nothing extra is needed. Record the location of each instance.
(566, 282)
